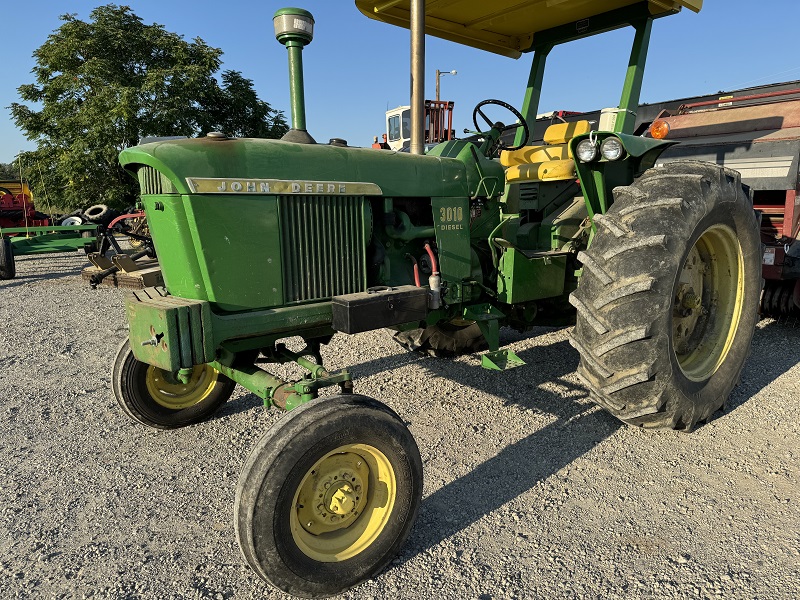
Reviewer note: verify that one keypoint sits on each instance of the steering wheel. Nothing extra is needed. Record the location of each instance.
(522, 123)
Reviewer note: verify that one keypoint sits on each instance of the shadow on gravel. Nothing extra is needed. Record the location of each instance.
(25, 279)
(778, 341)
(514, 471)
(43, 267)
(247, 402)
(540, 386)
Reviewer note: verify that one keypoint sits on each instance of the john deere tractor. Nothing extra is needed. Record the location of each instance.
(262, 240)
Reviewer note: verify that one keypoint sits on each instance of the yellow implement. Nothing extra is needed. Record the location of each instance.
(16, 188)
(507, 27)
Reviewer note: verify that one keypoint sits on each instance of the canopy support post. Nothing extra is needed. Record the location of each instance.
(417, 76)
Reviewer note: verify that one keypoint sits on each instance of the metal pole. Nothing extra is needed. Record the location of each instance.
(530, 104)
(296, 90)
(629, 102)
(438, 74)
(417, 76)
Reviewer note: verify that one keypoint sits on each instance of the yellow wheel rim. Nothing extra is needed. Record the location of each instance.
(708, 303)
(170, 393)
(343, 503)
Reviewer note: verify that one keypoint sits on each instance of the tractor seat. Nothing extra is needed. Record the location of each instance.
(551, 162)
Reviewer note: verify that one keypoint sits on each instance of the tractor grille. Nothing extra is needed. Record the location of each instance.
(323, 246)
(150, 181)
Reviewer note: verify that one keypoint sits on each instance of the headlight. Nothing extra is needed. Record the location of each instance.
(612, 149)
(586, 150)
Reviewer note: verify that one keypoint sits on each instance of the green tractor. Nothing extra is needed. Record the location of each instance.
(262, 240)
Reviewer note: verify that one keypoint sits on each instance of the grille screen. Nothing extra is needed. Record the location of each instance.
(323, 244)
(150, 181)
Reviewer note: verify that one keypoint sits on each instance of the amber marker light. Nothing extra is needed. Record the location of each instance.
(659, 129)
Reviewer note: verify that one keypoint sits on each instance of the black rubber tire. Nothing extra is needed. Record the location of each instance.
(8, 268)
(100, 213)
(626, 296)
(443, 340)
(275, 470)
(129, 380)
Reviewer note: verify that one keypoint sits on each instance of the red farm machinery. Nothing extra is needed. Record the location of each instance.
(16, 206)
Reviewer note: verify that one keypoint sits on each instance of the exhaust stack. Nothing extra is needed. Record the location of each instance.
(294, 28)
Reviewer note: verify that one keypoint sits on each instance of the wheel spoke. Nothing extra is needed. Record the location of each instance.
(485, 118)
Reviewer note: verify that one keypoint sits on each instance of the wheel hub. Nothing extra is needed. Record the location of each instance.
(343, 500)
(708, 303)
(167, 391)
(334, 495)
(343, 503)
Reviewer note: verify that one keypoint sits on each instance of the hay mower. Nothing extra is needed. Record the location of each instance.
(661, 264)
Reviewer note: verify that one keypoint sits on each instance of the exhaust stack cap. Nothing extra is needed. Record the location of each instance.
(293, 24)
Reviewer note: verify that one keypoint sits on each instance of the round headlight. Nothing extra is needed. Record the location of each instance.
(586, 150)
(612, 149)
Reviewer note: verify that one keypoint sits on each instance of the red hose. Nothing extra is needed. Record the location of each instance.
(123, 217)
(434, 264)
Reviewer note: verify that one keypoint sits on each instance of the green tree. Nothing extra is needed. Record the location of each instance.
(9, 172)
(103, 84)
(237, 110)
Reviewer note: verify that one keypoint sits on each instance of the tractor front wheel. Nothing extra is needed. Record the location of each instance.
(668, 300)
(328, 495)
(155, 398)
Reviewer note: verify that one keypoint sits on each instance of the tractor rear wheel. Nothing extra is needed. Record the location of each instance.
(668, 300)
(328, 495)
(444, 340)
(153, 397)
(8, 268)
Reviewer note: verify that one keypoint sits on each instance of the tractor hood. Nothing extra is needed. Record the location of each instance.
(223, 165)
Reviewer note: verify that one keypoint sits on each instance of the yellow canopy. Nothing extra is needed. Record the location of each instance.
(506, 27)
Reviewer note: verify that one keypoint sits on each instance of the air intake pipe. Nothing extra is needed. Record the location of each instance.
(294, 28)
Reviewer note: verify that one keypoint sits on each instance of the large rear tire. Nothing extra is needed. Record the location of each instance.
(668, 300)
(328, 495)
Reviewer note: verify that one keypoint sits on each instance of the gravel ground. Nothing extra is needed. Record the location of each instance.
(530, 490)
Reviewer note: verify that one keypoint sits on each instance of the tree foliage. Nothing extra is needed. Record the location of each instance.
(103, 84)
(9, 172)
(236, 109)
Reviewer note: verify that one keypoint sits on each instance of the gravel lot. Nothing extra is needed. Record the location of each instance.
(530, 491)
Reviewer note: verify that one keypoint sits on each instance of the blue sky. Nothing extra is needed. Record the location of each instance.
(356, 68)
